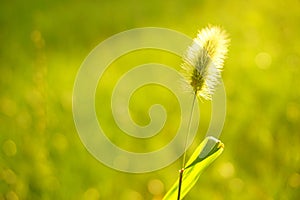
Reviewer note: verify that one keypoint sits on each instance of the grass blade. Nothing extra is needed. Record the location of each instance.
(203, 156)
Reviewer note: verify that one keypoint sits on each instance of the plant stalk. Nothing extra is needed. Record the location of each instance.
(187, 135)
(185, 147)
(180, 182)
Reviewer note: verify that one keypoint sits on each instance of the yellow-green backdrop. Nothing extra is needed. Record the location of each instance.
(42, 45)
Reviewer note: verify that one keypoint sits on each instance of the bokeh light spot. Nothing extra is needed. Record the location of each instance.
(9, 176)
(294, 180)
(155, 187)
(91, 194)
(8, 107)
(226, 170)
(263, 60)
(292, 112)
(132, 195)
(9, 148)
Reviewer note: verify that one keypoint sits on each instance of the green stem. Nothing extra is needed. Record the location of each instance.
(185, 146)
(189, 127)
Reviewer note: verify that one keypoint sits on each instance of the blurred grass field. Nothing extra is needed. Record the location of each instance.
(43, 44)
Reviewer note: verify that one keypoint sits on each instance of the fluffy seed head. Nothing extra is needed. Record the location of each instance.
(204, 59)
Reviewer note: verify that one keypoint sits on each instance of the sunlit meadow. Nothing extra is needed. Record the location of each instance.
(43, 45)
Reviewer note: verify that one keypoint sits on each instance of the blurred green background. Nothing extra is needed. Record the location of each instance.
(43, 44)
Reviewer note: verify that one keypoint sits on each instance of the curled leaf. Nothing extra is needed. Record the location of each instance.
(209, 149)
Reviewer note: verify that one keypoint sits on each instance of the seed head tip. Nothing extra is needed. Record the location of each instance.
(204, 59)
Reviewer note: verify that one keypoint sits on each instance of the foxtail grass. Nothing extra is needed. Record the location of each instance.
(201, 67)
